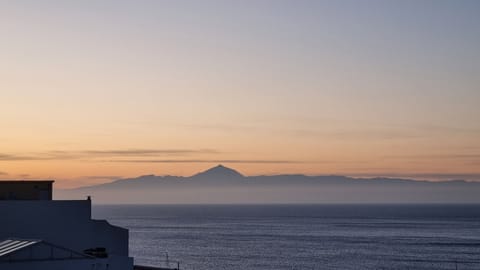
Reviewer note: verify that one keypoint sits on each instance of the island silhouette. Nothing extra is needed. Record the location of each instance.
(225, 185)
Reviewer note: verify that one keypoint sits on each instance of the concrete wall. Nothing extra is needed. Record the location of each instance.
(116, 238)
(63, 223)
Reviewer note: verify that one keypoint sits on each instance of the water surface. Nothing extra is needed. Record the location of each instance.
(269, 237)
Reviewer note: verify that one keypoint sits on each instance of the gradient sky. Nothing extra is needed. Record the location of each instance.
(95, 90)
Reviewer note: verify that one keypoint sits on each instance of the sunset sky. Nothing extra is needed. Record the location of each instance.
(92, 91)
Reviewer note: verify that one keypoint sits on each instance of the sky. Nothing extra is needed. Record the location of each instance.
(92, 91)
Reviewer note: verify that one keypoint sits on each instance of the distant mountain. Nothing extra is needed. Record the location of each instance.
(219, 172)
(225, 185)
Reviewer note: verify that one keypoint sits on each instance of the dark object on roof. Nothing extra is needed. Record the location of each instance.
(98, 252)
(141, 267)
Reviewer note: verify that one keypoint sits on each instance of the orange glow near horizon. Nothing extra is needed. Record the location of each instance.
(91, 92)
(73, 169)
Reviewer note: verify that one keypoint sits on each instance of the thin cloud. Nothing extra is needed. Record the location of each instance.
(435, 128)
(442, 156)
(363, 134)
(52, 155)
(473, 163)
(222, 127)
(8, 157)
(149, 152)
(100, 177)
(206, 161)
(341, 134)
(93, 154)
(3, 173)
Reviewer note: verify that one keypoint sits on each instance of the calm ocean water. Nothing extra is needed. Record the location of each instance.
(269, 237)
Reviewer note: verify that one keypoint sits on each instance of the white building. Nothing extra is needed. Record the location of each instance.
(63, 232)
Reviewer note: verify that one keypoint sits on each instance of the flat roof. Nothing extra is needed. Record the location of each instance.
(27, 181)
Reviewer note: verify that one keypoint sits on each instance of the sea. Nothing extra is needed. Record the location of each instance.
(273, 237)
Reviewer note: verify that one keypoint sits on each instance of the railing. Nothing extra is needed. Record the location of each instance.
(168, 267)
(165, 264)
(399, 265)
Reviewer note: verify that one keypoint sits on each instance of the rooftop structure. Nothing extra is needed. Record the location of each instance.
(70, 238)
(26, 190)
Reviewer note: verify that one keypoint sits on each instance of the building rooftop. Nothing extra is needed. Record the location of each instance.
(26, 189)
(26, 181)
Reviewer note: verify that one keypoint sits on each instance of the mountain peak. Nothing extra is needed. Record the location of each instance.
(219, 171)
